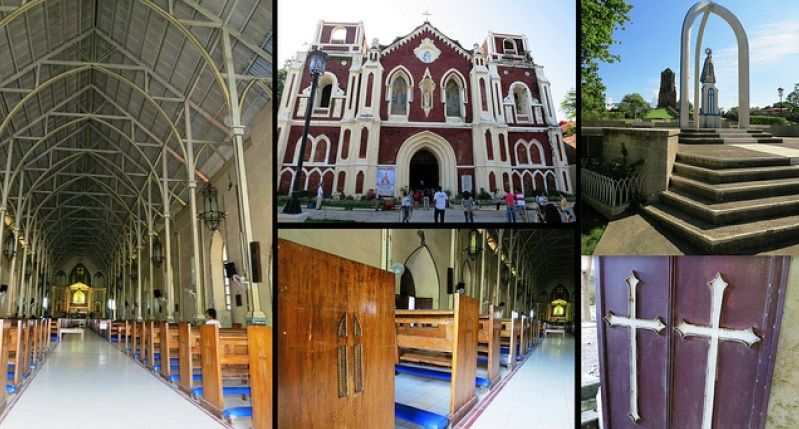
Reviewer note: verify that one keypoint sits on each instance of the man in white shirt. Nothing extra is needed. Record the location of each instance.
(211, 315)
(441, 205)
(320, 195)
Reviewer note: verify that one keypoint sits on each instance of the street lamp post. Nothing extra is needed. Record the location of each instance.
(316, 65)
(780, 91)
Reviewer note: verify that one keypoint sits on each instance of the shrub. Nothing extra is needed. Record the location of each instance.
(768, 120)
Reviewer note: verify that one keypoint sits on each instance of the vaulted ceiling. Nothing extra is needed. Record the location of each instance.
(97, 95)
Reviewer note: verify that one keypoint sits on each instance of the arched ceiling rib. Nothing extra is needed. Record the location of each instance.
(92, 91)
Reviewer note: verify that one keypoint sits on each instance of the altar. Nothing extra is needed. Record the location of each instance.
(78, 300)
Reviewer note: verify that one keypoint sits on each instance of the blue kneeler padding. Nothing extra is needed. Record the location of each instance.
(482, 359)
(423, 418)
(243, 390)
(176, 377)
(438, 375)
(237, 412)
(10, 388)
(171, 368)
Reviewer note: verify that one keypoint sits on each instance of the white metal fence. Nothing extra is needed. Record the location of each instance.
(612, 192)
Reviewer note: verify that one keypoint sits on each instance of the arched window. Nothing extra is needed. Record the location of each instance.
(339, 35)
(521, 154)
(489, 146)
(483, 102)
(453, 98)
(345, 145)
(492, 182)
(509, 46)
(324, 93)
(320, 154)
(399, 96)
(521, 100)
(226, 279)
(364, 142)
(342, 178)
(359, 183)
(369, 82)
(502, 148)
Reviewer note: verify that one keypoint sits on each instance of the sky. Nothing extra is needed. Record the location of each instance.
(548, 24)
(651, 42)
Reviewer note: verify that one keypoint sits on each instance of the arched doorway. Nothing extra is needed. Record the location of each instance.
(218, 279)
(435, 145)
(422, 269)
(423, 170)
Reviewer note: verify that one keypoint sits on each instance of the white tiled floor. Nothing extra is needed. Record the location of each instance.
(93, 385)
(541, 393)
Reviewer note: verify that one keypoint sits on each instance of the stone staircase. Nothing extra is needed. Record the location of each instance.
(728, 205)
(726, 136)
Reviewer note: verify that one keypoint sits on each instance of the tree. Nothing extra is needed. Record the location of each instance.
(793, 97)
(634, 106)
(569, 104)
(281, 81)
(600, 18)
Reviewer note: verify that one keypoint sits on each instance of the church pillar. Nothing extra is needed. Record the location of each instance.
(482, 267)
(168, 275)
(495, 298)
(23, 284)
(138, 271)
(256, 315)
(199, 308)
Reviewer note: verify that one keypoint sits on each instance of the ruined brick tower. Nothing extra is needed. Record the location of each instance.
(667, 97)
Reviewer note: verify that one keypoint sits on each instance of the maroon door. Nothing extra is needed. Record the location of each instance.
(694, 316)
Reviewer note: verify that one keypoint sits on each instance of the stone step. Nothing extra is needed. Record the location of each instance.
(736, 191)
(730, 162)
(730, 175)
(730, 140)
(740, 238)
(727, 213)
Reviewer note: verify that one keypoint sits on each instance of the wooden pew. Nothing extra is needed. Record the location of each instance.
(488, 342)
(151, 343)
(444, 338)
(188, 355)
(238, 352)
(169, 349)
(19, 350)
(5, 345)
(136, 339)
(508, 338)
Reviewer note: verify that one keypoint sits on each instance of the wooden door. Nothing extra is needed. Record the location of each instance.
(705, 338)
(336, 342)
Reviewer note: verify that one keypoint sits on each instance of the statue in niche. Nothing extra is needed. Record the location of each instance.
(427, 86)
(453, 98)
(399, 96)
(79, 298)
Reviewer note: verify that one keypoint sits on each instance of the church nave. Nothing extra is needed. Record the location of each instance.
(92, 384)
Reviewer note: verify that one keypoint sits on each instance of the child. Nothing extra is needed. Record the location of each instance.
(406, 207)
(211, 315)
(468, 207)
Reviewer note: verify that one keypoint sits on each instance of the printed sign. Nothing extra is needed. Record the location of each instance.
(386, 179)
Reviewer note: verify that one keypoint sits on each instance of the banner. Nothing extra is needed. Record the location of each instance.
(386, 179)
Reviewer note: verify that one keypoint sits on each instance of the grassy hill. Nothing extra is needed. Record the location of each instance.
(662, 113)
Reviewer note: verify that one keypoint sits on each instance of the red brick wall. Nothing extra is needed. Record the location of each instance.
(517, 74)
(391, 138)
(295, 134)
(327, 31)
(448, 59)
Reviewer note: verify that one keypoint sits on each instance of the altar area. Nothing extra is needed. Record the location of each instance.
(78, 299)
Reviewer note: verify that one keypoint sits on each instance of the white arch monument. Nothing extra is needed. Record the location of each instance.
(707, 7)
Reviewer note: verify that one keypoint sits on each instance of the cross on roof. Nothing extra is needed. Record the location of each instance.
(426, 16)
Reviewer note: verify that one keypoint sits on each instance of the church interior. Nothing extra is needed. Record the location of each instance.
(428, 328)
(136, 234)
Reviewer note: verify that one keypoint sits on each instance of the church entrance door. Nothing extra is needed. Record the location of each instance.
(424, 170)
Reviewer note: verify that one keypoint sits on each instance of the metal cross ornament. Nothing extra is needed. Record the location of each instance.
(634, 324)
(715, 333)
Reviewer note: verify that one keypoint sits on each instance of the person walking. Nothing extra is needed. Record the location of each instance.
(510, 206)
(521, 205)
(407, 202)
(468, 207)
(320, 195)
(440, 199)
(426, 198)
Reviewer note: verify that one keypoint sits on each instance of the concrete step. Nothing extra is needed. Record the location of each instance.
(740, 238)
(729, 162)
(730, 175)
(726, 136)
(728, 213)
(736, 191)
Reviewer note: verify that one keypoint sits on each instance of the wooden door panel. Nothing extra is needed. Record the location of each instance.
(654, 275)
(321, 298)
(700, 299)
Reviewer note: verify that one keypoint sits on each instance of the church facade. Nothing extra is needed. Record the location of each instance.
(422, 111)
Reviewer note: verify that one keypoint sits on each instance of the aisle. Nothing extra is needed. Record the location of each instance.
(541, 393)
(93, 385)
